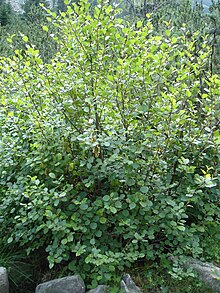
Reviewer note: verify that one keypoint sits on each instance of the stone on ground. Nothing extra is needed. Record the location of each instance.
(4, 285)
(100, 289)
(128, 285)
(208, 273)
(71, 284)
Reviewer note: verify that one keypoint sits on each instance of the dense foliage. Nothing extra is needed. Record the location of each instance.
(110, 149)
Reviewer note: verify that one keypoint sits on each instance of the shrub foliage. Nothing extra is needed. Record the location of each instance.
(110, 152)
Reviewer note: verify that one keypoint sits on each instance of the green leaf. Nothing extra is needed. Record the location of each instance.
(25, 39)
(132, 205)
(48, 213)
(84, 206)
(52, 175)
(93, 225)
(139, 24)
(106, 198)
(168, 33)
(70, 237)
(45, 28)
(144, 189)
(92, 241)
(10, 240)
(64, 241)
(118, 204)
(143, 204)
(98, 233)
(102, 220)
(72, 266)
(56, 202)
(113, 210)
(181, 228)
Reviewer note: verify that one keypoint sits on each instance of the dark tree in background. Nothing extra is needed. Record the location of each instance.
(5, 13)
(215, 34)
(30, 6)
(60, 6)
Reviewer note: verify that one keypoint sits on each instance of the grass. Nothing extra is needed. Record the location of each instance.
(151, 279)
(18, 267)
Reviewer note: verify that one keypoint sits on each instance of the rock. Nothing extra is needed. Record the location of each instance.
(72, 284)
(4, 285)
(100, 289)
(128, 285)
(207, 272)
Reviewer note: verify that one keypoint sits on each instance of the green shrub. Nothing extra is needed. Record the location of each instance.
(110, 152)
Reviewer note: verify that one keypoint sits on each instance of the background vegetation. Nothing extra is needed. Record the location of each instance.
(109, 130)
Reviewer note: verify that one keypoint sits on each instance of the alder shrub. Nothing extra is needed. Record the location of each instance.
(110, 152)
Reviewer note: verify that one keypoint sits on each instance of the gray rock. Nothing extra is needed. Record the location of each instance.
(72, 284)
(207, 272)
(100, 289)
(4, 285)
(128, 285)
